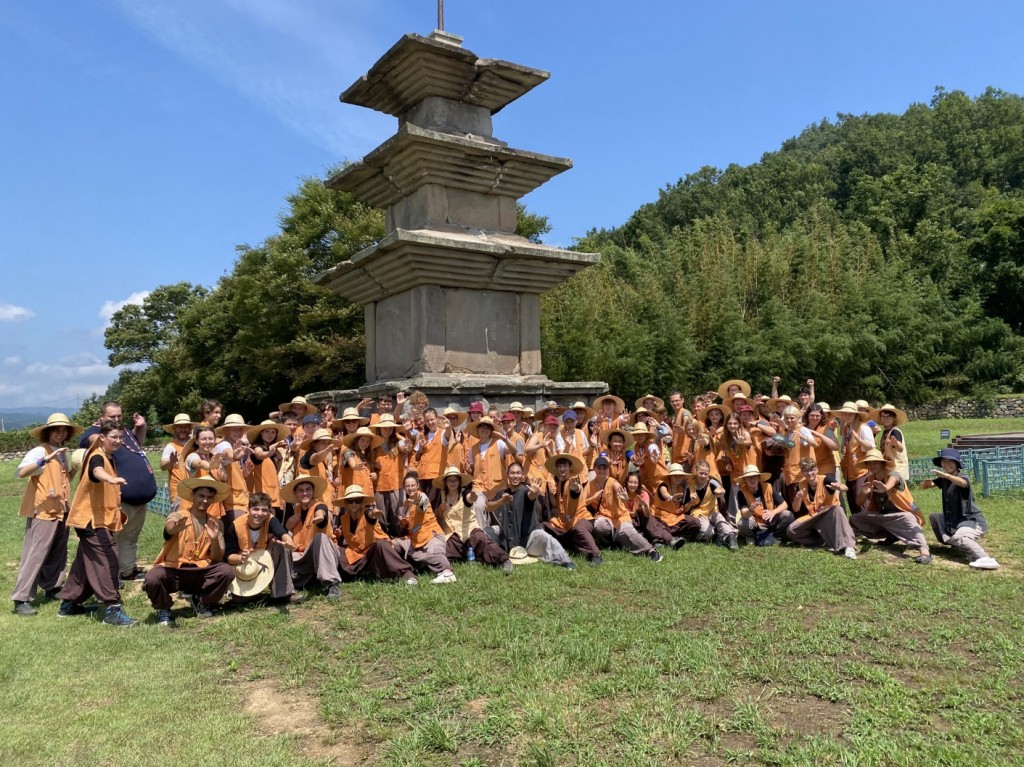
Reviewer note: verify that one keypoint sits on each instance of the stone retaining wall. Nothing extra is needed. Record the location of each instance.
(1009, 407)
(17, 456)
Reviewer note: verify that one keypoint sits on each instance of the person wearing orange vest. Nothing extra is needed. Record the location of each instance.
(180, 430)
(567, 517)
(44, 552)
(432, 452)
(488, 459)
(259, 530)
(857, 440)
(887, 506)
(688, 507)
(236, 455)
(820, 520)
(308, 520)
(266, 440)
(606, 499)
(573, 440)
(764, 514)
(367, 551)
(191, 559)
(391, 459)
(462, 530)
(422, 542)
(96, 516)
(358, 464)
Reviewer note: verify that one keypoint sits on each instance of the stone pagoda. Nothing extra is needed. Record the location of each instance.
(451, 294)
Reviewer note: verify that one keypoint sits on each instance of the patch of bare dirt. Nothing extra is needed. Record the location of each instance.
(806, 716)
(296, 713)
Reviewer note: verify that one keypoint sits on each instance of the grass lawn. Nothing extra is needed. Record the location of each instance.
(761, 657)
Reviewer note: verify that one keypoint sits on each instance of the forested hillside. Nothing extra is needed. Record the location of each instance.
(882, 255)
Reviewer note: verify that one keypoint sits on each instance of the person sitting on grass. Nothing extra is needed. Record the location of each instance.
(764, 514)
(567, 518)
(887, 506)
(820, 520)
(192, 557)
(465, 538)
(366, 548)
(422, 542)
(606, 498)
(308, 520)
(961, 522)
(256, 531)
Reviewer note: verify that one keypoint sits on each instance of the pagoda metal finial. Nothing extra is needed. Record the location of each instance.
(440, 15)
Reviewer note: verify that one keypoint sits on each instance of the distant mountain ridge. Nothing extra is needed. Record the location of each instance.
(14, 420)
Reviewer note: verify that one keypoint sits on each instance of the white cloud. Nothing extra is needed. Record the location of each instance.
(12, 313)
(13, 361)
(109, 307)
(58, 383)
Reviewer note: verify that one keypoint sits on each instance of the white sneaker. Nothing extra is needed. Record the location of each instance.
(411, 581)
(984, 563)
(446, 577)
(850, 552)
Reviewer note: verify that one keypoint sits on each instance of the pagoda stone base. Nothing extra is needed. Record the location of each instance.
(459, 391)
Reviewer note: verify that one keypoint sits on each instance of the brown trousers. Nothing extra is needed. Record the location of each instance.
(829, 528)
(902, 524)
(431, 555)
(281, 585)
(484, 549)
(580, 539)
(208, 583)
(95, 569)
(659, 531)
(44, 555)
(381, 562)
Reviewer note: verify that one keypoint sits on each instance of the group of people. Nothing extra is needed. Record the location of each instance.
(392, 488)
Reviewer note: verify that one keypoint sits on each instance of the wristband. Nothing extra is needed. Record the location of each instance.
(41, 462)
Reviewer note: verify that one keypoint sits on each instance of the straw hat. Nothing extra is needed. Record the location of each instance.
(635, 415)
(452, 471)
(551, 408)
(607, 433)
(455, 417)
(585, 413)
(723, 390)
(750, 470)
(825, 407)
(875, 455)
(725, 410)
(518, 556)
(658, 402)
(188, 486)
(52, 422)
(352, 493)
(254, 433)
(288, 491)
(230, 422)
(677, 470)
(474, 427)
(619, 404)
(849, 408)
(181, 419)
(515, 407)
(528, 414)
(318, 435)
(901, 416)
(75, 462)
(774, 402)
(387, 421)
(298, 405)
(863, 406)
(551, 464)
(640, 431)
(253, 575)
(352, 414)
(350, 439)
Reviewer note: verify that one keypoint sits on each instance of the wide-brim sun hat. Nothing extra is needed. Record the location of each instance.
(900, 415)
(620, 405)
(874, 455)
(452, 471)
(52, 422)
(850, 408)
(725, 410)
(723, 390)
(352, 493)
(232, 421)
(254, 432)
(298, 405)
(455, 417)
(551, 464)
(550, 408)
(519, 556)
(635, 415)
(607, 434)
(659, 403)
(188, 486)
(950, 454)
(640, 431)
(774, 402)
(584, 412)
(750, 470)
(181, 419)
(319, 488)
(318, 435)
(677, 470)
(253, 575)
(473, 428)
(387, 421)
(350, 439)
(352, 414)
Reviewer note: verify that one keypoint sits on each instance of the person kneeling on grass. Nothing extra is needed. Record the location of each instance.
(764, 515)
(192, 557)
(259, 535)
(567, 518)
(422, 542)
(820, 520)
(888, 506)
(606, 498)
(961, 522)
(366, 549)
(465, 539)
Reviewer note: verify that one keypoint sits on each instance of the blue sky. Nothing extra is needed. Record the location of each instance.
(143, 139)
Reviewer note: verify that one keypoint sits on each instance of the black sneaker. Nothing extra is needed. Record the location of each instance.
(201, 610)
(655, 556)
(115, 616)
(164, 619)
(51, 595)
(334, 593)
(136, 573)
(732, 543)
(767, 539)
(923, 559)
(68, 608)
(678, 542)
(569, 565)
(597, 561)
(24, 609)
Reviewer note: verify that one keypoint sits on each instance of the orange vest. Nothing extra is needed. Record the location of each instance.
(706, 453)
(823, 497)
(618, 467)
(653, 471)
(47, 494)
(216, 509)
(824, 456)
(902, 500)
(421, 523)
(768, 499)
(176, 473)
(533, 465)
(488, 469)
(391, 469)
(460, 519)
(263, 479)
(98, 503)
(360, 475)
(795, 454)
(239, 498)
(242, 530)
(322, 470)
(707, 505)
(306, 530)
(184, 549)
(667, 511)
(852, 454)
(434, 457)
(578, 446)
(739, 456)
(359, 542)
(569, 510)
(611, 507)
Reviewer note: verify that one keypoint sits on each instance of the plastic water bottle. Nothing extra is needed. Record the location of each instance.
(470, 555)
